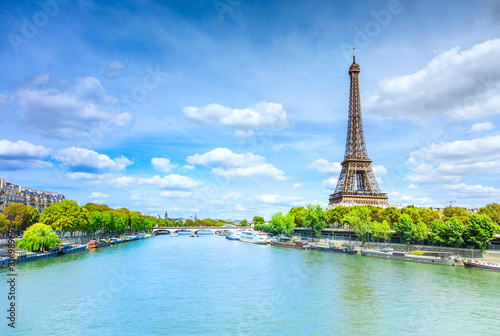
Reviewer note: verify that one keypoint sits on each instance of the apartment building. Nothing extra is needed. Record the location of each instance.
(38, 199)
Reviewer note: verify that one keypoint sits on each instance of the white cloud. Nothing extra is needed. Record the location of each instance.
(227, 164)
(175, 194)
(172, 181)
(447, 162)
(379, 170)
(463, 190)
(261, 115)
(423, 201)
(330, 184)
(121, 181)
(187, 167)
(276, 199)
(88, 161)
(326, 168)
(22, 155)
(233, 195)
(162, 164)
(481, 127)
(56, 109)
(115, 69)
(297, 185)
(98, 195)
(456, 83)
(412, 186)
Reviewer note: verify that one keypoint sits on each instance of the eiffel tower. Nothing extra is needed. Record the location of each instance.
(357, 184)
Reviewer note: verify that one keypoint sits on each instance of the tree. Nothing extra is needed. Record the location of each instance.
(39, 237)
(244, 222)
(335, 215)
(136, 221)
(420, 232)
(438, 232)
(21, 216)
(381, 230)
(413, 212)
(360, 220)
(404, 227)
(298, 214)
(4, 223)
(109, 219)
(315, 218)
(66, 216)
(480, 231)
(91, 207)
(454, 233)
(258, 220)
(428, 215)
(189, 222)
(277, 223)
(391, 215)
(461, 214)
(96, 222)
(492, 211)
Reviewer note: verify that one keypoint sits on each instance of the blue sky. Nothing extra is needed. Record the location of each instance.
(233, 108)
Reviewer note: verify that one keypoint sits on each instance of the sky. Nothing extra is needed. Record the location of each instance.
(233, 108)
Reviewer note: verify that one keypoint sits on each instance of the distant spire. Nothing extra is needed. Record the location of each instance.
(353, 56)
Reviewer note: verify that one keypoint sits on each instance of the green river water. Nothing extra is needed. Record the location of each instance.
(212, 286)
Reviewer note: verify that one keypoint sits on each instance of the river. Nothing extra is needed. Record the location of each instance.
(212, 286)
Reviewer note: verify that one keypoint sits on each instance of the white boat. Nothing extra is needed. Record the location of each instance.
(254, 237)
(148, 235)
(233, 235)
(173, 234)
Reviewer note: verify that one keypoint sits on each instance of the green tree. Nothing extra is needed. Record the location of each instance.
(21, 216)
(493, 211)
(391, 215)
(360, 220)
(91, 207)
(335, 215)
(381, 230)
(189, 222)
(96, 222)
(413, 212)
(39, 237)
(136, 221)
(315, 218)
(480, 231)
(277, 223)
(244, 222)
(122, 222)
(258, 220)
(454, 233)
(109, 219)
(428, 215)
(4, 223)
(461, 214)
(420, 232)
(298, 214)
(404, 227)
(66, 216)
(438, 232)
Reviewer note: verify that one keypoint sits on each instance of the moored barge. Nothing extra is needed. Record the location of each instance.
(484, 265)
(436, 257)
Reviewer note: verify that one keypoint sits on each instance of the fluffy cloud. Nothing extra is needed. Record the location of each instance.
(447, 162)
(422, 201)
(277, 199)
(172, 181)
(481, 127)
(227, 164)
(88, 161)
(330, 184)
(261, 115)
(457, 83)
(114, 69)
(162, 164)
(56, 109)
(22, 155)
(326, 168)
(98, 195)
(463, 190)
(175, 194)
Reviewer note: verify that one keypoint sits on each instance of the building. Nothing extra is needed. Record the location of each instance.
(357, 184)
(38, 199)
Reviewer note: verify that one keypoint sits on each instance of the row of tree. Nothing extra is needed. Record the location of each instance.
(453, 226)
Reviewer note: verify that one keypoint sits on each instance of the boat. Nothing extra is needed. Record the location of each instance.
(130, 238)
(99, 243)
(233, 235)
(254, 237)
(4, 262)
(148, 235)
(69, 248)
(23, 256)
(437, 258)
(288, 242)
(139, 236)
(116, 241)
(484, 265)
(44, 255)
(204, 232)
(334, 248)
(184, 232)
(221, 233)
(173, 234)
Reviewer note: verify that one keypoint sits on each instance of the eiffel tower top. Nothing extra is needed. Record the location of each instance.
(355, 145)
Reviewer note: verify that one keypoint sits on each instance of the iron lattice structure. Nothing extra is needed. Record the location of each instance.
(357, 184)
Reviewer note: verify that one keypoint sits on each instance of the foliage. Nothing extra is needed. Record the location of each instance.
(428, 215)
(39, 237)
(360, 220)
(91, 207)
(492, 211)
(189, 222)
(391, 215)
(438, 232)
(4, 223)
(66, 216)
(335, 215)
(381, 230)
(480, 231)
(461, 214)
(418, 252)
(404, 227)
(413, 212)
(454, 233)
(297, 214)
(21, 216)
(258, 220)
(263, 228)
(315, 218)
(420, 232)
(244, 222)
(282, 224)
